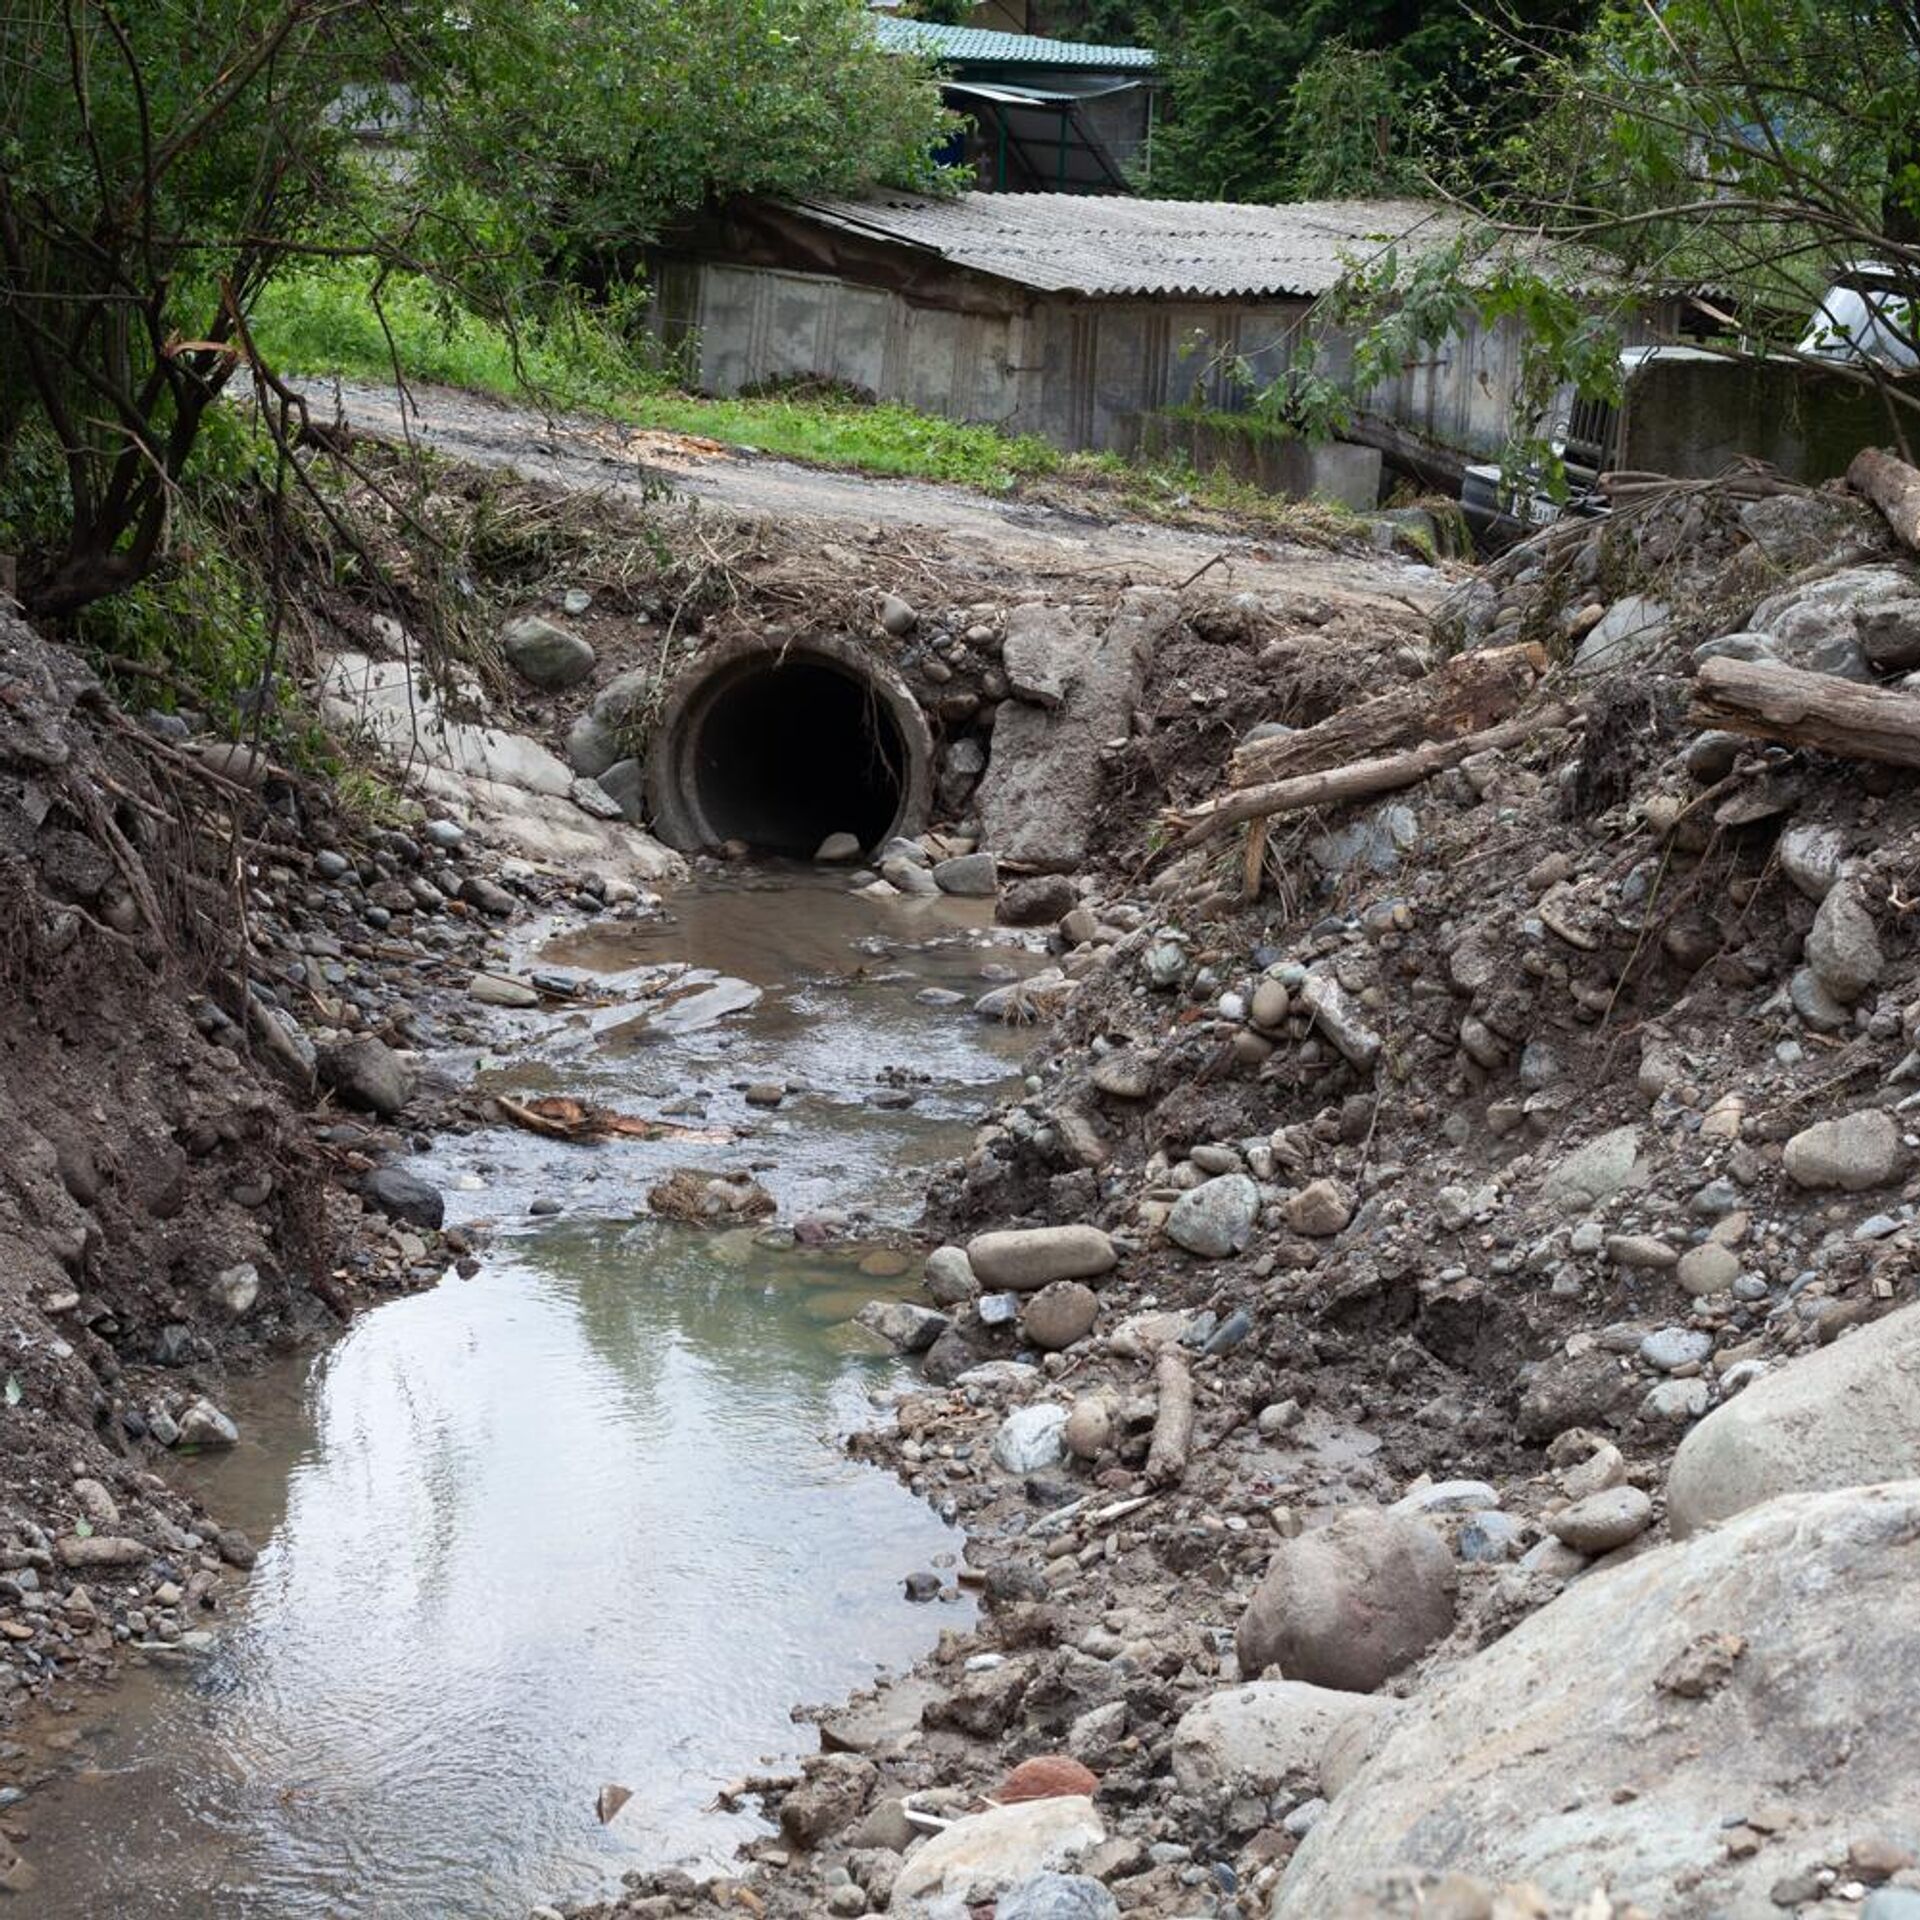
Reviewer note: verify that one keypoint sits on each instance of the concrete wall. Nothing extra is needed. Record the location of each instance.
(1689, 413)
(1348, 476)
(1080, 373)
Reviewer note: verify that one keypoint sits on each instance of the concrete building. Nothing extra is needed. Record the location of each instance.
(1075, 318)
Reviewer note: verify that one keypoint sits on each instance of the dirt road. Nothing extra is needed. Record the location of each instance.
(587, 454)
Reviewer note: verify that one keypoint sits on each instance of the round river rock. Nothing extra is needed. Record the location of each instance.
(1025, 1259)
(1061, 1313)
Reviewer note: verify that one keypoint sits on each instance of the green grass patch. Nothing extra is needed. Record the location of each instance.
(1253, 427)
(836, 430)
(326, 320)
(323, 321)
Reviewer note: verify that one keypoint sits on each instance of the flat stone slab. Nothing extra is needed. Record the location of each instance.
(883, 1721)
(508, 787)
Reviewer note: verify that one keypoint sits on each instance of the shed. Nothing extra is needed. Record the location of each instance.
(1070, 317)
(1044, 116)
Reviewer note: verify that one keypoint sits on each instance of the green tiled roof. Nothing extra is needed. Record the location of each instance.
(976, 46)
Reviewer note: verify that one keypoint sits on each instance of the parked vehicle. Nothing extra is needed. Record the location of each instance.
(1871, 312)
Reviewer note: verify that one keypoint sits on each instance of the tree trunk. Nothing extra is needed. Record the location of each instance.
(1357, 781)
(1471, 691)
(1809, 710)
(1893, 487)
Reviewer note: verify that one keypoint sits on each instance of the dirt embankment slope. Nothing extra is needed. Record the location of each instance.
(158, 1204)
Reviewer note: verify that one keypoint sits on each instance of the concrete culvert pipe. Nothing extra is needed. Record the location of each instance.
(781, 744)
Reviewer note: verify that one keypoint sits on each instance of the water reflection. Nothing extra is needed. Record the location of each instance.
(568, 1523)
(576, 1521)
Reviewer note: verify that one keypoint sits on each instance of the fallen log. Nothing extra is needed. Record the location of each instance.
(1469, 692)
(1172, 1422)
(1808, 710)
(1893, 487)
(1357, 781)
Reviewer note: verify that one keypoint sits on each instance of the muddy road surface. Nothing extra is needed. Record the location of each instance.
(585, 454)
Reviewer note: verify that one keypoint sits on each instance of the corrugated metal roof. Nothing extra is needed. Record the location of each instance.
(978, 45)
(1070, 243)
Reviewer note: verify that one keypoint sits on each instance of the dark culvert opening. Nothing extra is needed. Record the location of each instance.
(789, 755)
(778, 743)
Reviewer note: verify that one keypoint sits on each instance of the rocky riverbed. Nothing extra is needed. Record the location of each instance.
(1425, 1369)
(1419, 1355)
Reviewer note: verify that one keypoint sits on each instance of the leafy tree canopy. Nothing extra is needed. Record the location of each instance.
(162, 160)
(1283, 99)
(591, 125)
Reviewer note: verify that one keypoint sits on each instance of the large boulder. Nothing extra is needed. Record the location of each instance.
(606, 733)
(1062, 1312)
(1057, 1896)
(547, 655)
(204, 1425)
(974, 876)
(1843, 947)
(1042, 792)
(903, 1323)
(1031, 1438)
(1610, 1739)
(1632, 632)
(1216, 1218)
(593, 746)
(1811, 856)
(1263, 1735)
(1588, 1389)
(1858, 1150)
(1351, 1603)
(367, 1073)
(1816, 625)
(976, 1859)
(1606, 1165)
(1890, 633)
(625, 784)
(403, 1196)
(1041, 901)
(1845, 1416)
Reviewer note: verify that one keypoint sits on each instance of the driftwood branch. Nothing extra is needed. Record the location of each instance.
(1172, 1422)
(1469, 693)
(1360, 780)
(561, 1118)
(1893, 487)
(1808, 710)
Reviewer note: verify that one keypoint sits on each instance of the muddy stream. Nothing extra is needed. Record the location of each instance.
(584, 1518)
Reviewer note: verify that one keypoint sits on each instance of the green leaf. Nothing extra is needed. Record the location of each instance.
(13, 1390)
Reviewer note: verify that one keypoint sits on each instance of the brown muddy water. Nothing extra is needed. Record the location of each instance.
(583, 1519)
